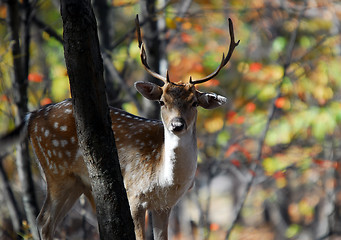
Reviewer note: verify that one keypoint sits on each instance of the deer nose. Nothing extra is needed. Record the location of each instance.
(177, 124)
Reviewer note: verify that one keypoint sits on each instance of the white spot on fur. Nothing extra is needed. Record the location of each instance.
(68, 111)
(63, 128)
(55, 142)
(55, 170)
(68, 153)
(63, 143)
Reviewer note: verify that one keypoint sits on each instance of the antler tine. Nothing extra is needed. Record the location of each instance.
(224, 60)
(143, 53)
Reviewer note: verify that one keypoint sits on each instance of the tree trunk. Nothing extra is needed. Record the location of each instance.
(85, 69)
(20, 65)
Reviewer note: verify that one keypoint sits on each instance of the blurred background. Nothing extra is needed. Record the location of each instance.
(269, 160)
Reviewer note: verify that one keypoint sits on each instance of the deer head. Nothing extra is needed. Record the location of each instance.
(179, 101)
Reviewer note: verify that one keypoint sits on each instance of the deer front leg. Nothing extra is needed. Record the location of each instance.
(138, 214)
(160, 224)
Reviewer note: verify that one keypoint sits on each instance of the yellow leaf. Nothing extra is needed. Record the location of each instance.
(214, 124)
(171, 23)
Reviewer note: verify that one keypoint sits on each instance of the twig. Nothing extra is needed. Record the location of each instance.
(43, 26)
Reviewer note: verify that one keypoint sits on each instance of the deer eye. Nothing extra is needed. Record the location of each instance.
(195, 104)
(162, 103)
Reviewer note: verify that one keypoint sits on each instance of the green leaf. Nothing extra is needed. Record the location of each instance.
(223, 138)
(292, 230)
(279, 44)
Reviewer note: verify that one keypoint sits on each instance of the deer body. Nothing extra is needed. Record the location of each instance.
(157, 167)
(158, 159)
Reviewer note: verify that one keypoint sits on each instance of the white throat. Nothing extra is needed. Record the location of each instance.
(179, 158)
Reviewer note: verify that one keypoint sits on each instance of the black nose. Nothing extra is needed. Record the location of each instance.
(178, 124)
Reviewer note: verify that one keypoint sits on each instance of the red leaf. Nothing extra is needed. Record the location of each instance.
(278, 174)
(255, 67)
(231, 116)
(250, 107)
(235, 162)
(186, 38)
(45, 101)
(280, 102)
(240, 120)
(231, 149)
(35, 77)
(4, 98)
(214, 226)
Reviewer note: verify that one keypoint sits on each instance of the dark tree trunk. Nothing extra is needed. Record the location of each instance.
(85, 69)
(20, 65)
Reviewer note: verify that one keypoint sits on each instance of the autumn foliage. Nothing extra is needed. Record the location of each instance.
(269, 160)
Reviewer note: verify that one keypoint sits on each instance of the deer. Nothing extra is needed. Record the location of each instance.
(158, 159)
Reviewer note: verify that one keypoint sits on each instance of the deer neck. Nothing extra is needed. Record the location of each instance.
(179, 159)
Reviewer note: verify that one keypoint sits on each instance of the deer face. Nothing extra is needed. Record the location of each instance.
(179, 103)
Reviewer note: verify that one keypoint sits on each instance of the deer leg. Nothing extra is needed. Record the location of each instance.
(56, 206)
(44, 220)
(160, 224)
(138, 214)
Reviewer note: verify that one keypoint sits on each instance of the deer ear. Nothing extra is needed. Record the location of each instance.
(210, 100)
(149, 90)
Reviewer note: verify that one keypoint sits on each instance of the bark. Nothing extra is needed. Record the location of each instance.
(20, 83)
(85, 69)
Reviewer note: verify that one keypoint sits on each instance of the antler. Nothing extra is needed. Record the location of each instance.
(224, 60)
(144, 55)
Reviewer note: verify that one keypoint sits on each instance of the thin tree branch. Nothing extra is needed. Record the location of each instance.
(50, 31)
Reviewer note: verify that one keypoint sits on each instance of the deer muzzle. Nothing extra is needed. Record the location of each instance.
(177, 125)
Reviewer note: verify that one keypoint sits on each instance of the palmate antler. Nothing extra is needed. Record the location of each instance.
(224, 60)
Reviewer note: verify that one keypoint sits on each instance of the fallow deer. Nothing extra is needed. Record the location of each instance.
(158, 159)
